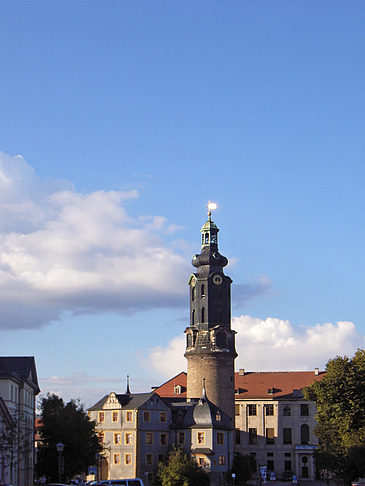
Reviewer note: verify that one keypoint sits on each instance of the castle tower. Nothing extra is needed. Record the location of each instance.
(210, 342)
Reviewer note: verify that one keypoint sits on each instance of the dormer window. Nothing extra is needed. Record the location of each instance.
(218, 416)
(177, 390)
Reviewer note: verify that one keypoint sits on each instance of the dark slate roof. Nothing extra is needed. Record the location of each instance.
(200, 413)
(21, 368)
(129, 402)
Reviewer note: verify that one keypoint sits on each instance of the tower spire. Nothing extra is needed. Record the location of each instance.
(128, 391)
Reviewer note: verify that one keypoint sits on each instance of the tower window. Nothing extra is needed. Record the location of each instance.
(202, 291)
(193, 317)
(206, 240)
(203, 314)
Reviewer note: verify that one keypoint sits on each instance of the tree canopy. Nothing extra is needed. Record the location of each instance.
(340, 401)
(69, 424)
(181, 469)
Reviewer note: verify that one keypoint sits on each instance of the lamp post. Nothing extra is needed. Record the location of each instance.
(60, 446)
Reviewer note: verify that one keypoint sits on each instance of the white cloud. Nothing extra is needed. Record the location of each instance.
(62, 251)
(271, 344)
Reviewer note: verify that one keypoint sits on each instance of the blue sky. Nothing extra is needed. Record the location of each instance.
(129, 116)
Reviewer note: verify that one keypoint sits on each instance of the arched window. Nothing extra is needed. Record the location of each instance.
(193, 293)
(202, 291)
(304, 434)
(203, 314)
(193, 317)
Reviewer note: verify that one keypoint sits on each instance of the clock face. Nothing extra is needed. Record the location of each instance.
(217, 279)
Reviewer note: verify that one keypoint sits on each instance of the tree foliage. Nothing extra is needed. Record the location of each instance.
(340, 399)
(181, 469)
(243, 466)
(70, 425)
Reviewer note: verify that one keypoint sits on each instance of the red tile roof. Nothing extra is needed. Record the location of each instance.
(273, 384)
(254, 385)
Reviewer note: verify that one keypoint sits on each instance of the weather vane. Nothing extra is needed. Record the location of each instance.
(211, 206)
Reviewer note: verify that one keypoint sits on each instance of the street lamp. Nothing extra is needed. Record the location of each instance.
(60, 448)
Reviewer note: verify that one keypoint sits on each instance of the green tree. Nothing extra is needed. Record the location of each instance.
(69, 424)
(243, 466)
(181, 469)
(340, 398)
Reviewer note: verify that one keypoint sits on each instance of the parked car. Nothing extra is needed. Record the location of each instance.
(120, 482)
(359, 482)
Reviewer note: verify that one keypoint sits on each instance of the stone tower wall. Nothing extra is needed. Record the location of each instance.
(218, 371)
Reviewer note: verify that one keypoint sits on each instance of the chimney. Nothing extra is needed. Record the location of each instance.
(241, 372)
(316, 371)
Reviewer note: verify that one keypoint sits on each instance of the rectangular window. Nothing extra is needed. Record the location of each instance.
(128, 459)
(201, 437)
(116, 458)
(163, 417)
(163, 439)
(128, 438)
(270, 438)
(222, 460)
(270, 465)
(252, 410)
(287, 465)
(117, 438)
(129, 416)
(304, 409)
(237, 409)
(181, 438)
(269, 409)
(149, 459)
(287, 411)
(149, 438)
(101, 437)
(201, 461)
(146, 417)
(238, 436)
(252, 436)
(161, 458)
(287, 436)
(220, 438)
(101, 417)
(115, 416)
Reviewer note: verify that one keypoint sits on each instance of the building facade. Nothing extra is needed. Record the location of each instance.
(210, 411)
(18, 390)
(273, 422)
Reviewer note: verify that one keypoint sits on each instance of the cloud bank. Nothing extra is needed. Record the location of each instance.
(271, 344)
(62, 251)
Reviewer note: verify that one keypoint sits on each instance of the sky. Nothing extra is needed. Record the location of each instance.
(119, 121)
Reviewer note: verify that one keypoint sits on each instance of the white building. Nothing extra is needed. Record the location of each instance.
(18, 389)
